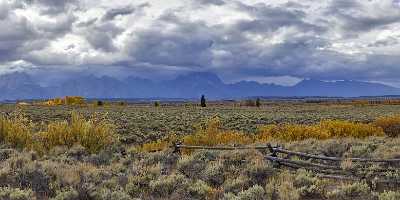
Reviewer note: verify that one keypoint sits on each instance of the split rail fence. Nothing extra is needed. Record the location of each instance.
(322, 166)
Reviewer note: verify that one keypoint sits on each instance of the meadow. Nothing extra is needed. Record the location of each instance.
(124, 151)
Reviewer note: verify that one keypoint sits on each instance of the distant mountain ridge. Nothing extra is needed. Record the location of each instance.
(21, 86)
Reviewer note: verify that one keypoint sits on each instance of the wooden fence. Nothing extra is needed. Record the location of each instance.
(322, 166)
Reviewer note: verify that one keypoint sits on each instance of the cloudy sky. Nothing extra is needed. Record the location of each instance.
(268, 41)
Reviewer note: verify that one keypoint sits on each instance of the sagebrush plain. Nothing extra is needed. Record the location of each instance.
(125, 151)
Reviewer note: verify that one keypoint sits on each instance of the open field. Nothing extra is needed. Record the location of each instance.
(120, 169)
(138, 124)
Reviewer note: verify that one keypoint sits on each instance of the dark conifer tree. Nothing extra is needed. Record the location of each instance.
(203, 101)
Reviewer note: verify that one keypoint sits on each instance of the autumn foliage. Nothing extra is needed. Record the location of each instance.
(68, 100)
(390, 124)
(19, 132)
(213, 135)
(324, 130)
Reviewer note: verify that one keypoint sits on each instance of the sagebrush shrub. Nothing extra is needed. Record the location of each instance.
(214, 174)
(236, 185)
(389, 124)
(200, 190)
(282, 187)
(165, 186)
(191, 167)
(16, 194)
(389, 195)
(70, 194)
(358, 190)
(254, 193)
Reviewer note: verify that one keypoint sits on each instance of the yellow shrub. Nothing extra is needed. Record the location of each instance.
(339, 128)
(57, 134)
(324, 130)
(291, 132)
(91, 134)
(15, 131)
(213, 135)
(74, 100)
(390, 125)
(158, 145)
(68, 100)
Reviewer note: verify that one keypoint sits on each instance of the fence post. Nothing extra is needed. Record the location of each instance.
(176, 148)
(274, 153)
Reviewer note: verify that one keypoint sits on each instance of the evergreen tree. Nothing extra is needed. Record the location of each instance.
(203, 101)
(258, 102)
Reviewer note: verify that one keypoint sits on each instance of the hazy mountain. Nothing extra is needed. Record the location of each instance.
(341, 88)
(20, 86)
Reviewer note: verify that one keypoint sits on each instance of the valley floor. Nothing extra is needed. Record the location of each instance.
(120, 171)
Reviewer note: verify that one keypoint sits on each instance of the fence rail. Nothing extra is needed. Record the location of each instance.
(321, 165)
(287, 152)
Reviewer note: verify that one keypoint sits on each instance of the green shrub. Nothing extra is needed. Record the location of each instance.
(120, 195)
(254, 193)
(282, 187)
(70, 194)
(7, 193)
(359, 191)
(236, 185)
(259, 171)
(250, 103)
(99, 103)
(166, 185)
(34, 177)
(199, 190)
(194, 165)
(389, 195)
(214, 174)
(309, 186)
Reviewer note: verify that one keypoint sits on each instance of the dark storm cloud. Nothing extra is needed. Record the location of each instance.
(52, 7)
(112, 13)
(211, 2)
(186, 46)
(100, 35)
(16, 33)
(352, 16)
(333, 39)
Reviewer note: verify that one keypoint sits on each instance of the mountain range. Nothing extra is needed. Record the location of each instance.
(19, 85)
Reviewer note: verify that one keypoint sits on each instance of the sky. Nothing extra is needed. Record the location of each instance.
(267, 41)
